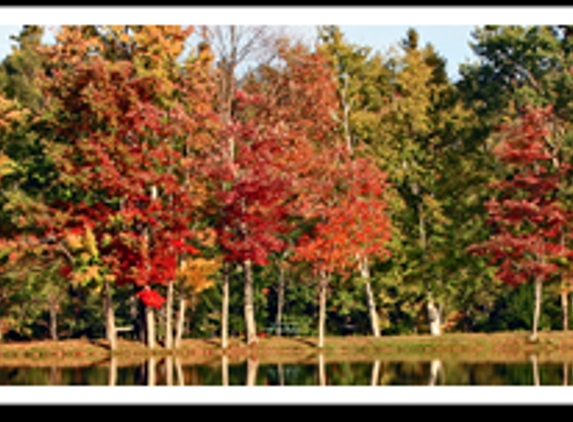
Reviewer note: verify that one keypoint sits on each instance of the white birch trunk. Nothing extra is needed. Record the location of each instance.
(365, 274)
(225, 310)
(537, 309)
(111, 332)
(180, 321)
(280, 301)
(565, 307)
(323, 283)
(169, 316)
(150, 324)
(250, 324)
(434, 318)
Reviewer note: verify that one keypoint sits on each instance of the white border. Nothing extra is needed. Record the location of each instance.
(380, 15)
(286, 395)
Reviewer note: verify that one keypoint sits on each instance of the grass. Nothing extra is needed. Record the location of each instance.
(494, 347)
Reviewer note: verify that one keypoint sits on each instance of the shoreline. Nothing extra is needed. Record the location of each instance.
(554, 346)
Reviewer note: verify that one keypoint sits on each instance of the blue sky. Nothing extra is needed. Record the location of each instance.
(447, 28)
(450, 41)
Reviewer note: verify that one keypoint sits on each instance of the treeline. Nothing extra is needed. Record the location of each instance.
(168, 192)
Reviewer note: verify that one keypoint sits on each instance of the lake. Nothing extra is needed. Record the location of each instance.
(171, 372)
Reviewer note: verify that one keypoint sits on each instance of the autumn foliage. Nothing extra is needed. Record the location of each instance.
(528, 221)
(122, 167)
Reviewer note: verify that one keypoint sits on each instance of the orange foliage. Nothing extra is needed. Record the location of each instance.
(196, 272)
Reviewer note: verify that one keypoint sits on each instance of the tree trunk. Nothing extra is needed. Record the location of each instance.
(323, 284)
(180, 320)
(111, 332)
(252, 369)
(280, 301)
(150, 325)
(250, 323)
(225, 310)
(53, 322)
(365, 274)
(434, 318)
(537, 309)
(565, 374)
(565, 307)
(169, 316)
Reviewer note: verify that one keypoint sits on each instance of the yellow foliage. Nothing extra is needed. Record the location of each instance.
(196, 272)
(90, 242)
(92, 272)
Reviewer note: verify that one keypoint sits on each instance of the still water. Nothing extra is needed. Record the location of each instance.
(170, 372)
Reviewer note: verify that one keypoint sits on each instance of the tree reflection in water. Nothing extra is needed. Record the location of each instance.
(225, 370)
(170, 371)
(533, 359)
(375, 373)
(321, 370)
(252, 369)
(435, 369)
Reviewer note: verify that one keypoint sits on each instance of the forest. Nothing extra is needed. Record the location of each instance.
(156, 188)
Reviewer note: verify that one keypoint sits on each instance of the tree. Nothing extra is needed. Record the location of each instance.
(20, 68)
(527, 218)
(519, 66)
(355, 76)
(121, 172)
(253, 208)
(233, 46)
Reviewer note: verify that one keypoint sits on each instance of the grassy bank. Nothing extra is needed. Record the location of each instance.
(496, 347)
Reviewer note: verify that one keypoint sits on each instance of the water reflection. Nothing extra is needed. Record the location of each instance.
(252, 369)
(225, 370)
(112, 371)
(321, 371)
(435, 369)
(317, 371)
(375, 373)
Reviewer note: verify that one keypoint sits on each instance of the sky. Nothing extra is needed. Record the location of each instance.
(448, 29)
(450, 41)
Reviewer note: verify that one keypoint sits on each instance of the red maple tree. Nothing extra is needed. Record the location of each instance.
(527, 219)
(121, 135)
